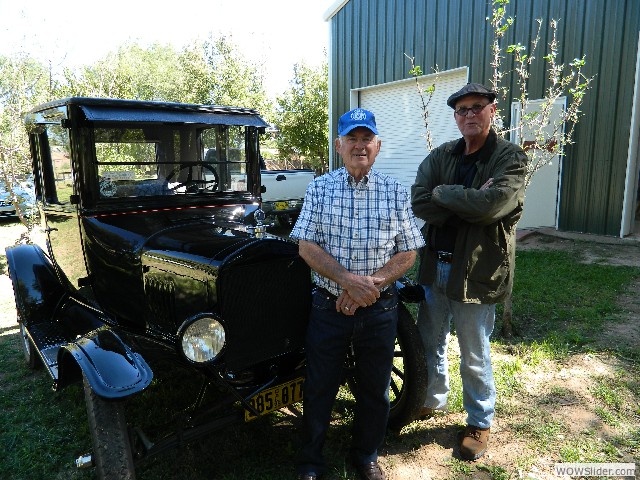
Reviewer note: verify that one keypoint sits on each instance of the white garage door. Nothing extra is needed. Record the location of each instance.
(397, 107)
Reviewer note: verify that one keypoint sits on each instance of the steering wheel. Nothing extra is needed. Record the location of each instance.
(190, 182)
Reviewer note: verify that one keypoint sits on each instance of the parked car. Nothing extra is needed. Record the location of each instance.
(154, 255)
(6, 204)
(24, 194)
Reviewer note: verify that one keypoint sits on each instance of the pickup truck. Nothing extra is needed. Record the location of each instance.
(283, 193)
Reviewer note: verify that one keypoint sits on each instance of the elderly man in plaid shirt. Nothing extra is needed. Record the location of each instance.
(358, 234)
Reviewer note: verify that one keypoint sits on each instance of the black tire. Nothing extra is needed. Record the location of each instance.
(30, 353)
(112, 454)
(409, 376)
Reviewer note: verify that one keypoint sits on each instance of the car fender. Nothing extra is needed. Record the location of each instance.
(38, 291)
(111, 367)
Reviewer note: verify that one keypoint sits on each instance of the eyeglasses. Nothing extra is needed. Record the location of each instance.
(476, 109)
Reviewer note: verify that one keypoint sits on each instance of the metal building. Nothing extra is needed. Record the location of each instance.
(595, 186)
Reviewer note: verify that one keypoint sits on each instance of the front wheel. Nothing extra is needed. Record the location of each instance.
(408, 387)
(112, 454)
(30, 354)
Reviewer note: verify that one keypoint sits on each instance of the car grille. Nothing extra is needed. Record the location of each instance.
(264, 294)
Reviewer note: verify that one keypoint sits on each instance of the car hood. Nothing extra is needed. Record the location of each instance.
(195, 243)
(194, 246)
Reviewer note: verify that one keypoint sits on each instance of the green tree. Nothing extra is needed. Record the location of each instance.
(548, 137)
(212, 71)
(24, 82)
(130, 72)
(303, 118)
(234, 80)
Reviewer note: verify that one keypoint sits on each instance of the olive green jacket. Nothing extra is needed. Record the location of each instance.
(484, 259)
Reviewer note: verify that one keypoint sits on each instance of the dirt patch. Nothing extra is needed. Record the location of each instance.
(587, 248)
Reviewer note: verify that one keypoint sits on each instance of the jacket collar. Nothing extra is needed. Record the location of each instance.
(487, 149)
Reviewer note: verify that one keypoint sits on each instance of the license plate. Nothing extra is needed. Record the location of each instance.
(275, 398)
(281, 205)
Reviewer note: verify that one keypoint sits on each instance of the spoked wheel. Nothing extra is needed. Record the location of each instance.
(30, 354)
(112, 454)
(408, 387)
(409, 375)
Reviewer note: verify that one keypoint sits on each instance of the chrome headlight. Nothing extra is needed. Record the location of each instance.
(202, 339)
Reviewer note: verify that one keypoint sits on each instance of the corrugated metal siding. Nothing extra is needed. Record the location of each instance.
(370, 39)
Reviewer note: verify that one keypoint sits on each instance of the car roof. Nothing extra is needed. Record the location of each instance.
(121, 110)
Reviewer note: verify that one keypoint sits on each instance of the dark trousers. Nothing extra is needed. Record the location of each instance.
(372, 330)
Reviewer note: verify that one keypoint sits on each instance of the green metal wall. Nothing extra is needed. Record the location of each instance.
(371, 37)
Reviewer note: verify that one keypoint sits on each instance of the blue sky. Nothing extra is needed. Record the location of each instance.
(276, 34)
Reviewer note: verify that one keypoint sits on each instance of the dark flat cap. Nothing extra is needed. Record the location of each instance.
(471, 89)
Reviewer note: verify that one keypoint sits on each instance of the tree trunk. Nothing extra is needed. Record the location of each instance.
(507, 316)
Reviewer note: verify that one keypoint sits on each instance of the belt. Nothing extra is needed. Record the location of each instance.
(385, 294)
(445, 257)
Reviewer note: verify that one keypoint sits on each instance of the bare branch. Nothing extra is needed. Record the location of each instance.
(416, 72)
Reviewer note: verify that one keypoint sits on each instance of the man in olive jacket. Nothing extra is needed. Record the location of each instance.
(470, 193)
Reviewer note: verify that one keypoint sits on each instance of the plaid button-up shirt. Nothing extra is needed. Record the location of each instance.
(360, 225)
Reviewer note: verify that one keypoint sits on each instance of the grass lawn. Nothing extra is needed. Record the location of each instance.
(565, 395)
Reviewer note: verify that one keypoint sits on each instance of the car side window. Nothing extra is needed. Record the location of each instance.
(127, 163)
(55, 156)
(224, 149)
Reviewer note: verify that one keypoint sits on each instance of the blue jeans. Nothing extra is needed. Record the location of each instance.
(372, 331)
(473, 324)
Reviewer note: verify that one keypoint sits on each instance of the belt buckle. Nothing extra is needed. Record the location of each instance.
(445, 257)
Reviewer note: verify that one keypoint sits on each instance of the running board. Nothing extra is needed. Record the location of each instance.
(48, 338)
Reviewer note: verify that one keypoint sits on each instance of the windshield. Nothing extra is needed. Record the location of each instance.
(170, 160)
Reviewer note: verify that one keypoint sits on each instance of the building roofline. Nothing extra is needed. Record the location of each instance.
(334, 8)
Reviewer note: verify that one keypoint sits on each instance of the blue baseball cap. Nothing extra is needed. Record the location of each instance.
(358, 117)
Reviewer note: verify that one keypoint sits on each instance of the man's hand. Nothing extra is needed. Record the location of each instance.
(360, 291)
(346, 304)
(364, 290)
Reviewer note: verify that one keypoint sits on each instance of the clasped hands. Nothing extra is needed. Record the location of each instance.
(361, 291)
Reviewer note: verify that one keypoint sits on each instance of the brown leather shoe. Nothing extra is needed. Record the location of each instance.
(371, 471)
(474, 442)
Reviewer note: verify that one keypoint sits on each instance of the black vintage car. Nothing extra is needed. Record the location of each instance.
(153, 250)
